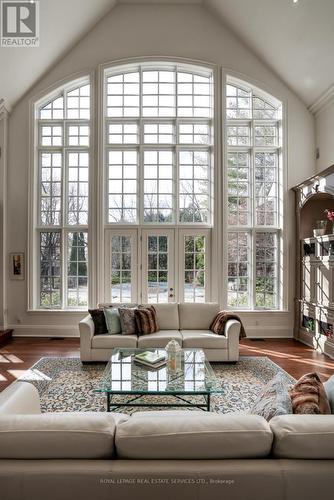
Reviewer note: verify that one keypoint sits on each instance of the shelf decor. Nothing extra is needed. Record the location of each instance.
(330, 217)
(314, 299)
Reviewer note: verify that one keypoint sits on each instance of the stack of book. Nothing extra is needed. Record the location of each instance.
(151, 359)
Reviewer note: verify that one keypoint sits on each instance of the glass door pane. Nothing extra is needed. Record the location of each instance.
(158, 266)
(121, 260)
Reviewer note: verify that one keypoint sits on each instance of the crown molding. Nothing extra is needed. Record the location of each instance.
(326, 98)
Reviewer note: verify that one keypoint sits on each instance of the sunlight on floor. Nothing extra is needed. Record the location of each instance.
(10, 358)
(31, 374)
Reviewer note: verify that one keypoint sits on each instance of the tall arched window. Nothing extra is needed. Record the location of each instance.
(254, 193)
(62, 142)
(158, 168)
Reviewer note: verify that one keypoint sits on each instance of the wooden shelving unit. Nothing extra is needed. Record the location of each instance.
(314, 305)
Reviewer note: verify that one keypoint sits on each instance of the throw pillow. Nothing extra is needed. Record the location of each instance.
(329, 388)
(273, 400)
(128, 320)
(146, 320)
(308, 395)
(113, 321)
(98, 318)
(218, 324)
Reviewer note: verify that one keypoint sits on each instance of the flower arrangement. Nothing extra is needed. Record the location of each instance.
(330, 217)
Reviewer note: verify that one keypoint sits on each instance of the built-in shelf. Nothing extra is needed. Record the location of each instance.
(314, 319)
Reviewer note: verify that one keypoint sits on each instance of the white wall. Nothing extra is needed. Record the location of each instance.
(152, 30)
(324, 127)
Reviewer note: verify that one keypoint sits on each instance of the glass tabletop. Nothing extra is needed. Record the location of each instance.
(123, 375)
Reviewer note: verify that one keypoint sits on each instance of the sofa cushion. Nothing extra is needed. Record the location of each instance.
(128, 320)
(197, 316)
(99, 321)
(58, 436)
(273, 399)
(159, 339)
(113, 321)
(209, 436)
(167, 315)
(308, 395)
(146, 320)
(303, 436)
(108, 341)
(204, 339)
(329, 388)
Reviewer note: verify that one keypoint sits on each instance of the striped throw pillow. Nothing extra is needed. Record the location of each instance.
(218, 324)
(146, 320)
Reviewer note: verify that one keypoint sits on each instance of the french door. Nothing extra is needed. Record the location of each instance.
(158, 270)
(149, 265)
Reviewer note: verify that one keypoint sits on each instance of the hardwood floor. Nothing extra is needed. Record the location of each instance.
(19, 354)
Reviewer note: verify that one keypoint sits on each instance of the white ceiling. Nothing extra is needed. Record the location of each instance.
(62, 24)
(295, 40)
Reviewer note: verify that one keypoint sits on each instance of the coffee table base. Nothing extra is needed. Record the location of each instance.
(186, 404)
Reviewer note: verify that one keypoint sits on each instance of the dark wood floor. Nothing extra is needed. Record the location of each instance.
(19, 354)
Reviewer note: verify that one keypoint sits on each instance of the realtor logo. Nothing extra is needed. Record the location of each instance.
(19, 23)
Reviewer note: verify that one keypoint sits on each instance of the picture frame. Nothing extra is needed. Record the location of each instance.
(16, 266)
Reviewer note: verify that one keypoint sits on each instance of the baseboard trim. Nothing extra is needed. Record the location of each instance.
(45, 331)
(269, 332)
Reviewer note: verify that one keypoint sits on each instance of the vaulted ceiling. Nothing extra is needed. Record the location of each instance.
(295, 39)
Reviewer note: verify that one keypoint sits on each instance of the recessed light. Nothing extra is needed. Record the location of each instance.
(295, 1)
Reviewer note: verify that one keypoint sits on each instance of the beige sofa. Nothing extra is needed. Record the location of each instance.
(168, 454)
(189, 324)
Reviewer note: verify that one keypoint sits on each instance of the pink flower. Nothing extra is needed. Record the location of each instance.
(330, 214)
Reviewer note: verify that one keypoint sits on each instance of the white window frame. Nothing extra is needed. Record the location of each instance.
(141, 146)
(207, 235)
(252, 228)
(103, 224)
(35, 226)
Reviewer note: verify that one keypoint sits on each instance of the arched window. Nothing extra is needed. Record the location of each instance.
(158, 168)
(254, 196)
(62, 158)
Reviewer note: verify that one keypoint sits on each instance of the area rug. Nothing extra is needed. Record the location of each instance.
(65, 385)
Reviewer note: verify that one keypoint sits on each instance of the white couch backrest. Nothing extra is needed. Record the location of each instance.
(197, 316)
(201, 436)
(167, 315)
(303, 436)
(58, 436)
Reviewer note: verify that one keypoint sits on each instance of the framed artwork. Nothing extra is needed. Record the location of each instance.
(16, 266)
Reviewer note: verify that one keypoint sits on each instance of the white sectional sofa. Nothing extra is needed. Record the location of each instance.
(184, 455)
(189, 324)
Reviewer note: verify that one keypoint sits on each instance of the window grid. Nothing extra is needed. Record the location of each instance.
(158, 186)
(51, 135)
(238, 269)
(162, 130)
(63, 152)
(194, 268)
(77, 269)
(78, 135)
(121, 269)
(122, 186)
(157, 268)
(253, 190)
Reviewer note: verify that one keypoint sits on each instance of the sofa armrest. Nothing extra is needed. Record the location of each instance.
(86, 329)
(232, 333)
(20, 398)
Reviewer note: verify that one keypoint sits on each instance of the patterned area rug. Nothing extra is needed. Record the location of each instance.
(64, 384)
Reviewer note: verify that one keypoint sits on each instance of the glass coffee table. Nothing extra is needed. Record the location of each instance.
(124, 377)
